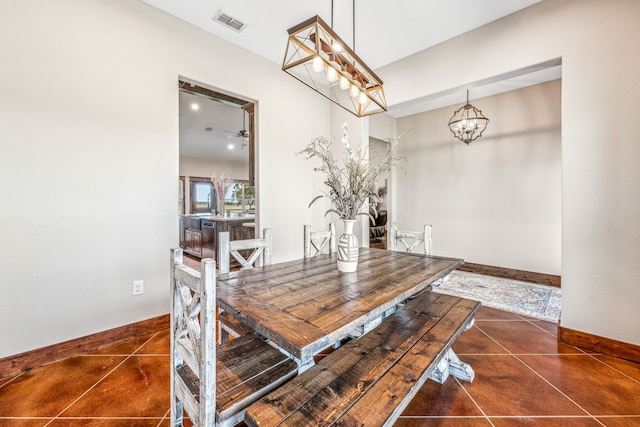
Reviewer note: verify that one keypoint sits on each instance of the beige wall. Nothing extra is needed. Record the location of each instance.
(495, 201)
(204, 168)
(89, 143)
(600, 87)
(377, 150)
(383, 126)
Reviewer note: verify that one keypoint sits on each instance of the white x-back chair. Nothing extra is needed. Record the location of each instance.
(319, 242)
(409, 241)
(227, 248)
(231, 248)
(211, 383)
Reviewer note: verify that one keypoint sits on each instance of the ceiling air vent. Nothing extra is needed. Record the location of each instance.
(229, 21)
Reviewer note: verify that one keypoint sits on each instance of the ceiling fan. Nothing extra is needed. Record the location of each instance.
(242, 133)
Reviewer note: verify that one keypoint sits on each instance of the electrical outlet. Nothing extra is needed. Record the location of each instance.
(138, 287)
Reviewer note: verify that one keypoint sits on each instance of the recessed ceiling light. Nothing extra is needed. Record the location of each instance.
(195, 106)
(230, 146)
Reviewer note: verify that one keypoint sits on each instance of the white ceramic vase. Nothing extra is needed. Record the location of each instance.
(348, 248)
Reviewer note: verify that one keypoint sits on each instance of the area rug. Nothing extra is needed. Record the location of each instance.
(528, 299)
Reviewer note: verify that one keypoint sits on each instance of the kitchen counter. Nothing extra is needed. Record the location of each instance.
(199, 232)
(209, 217)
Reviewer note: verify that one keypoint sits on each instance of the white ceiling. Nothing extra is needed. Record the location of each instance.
(212, 130)
(385, 31)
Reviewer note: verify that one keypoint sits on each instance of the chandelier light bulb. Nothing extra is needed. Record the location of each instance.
(337, 47)
(317, 65)
(344, 83)
(332, 74)
(362, 99)
(354, 91)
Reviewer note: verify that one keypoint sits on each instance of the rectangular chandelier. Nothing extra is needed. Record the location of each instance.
(317, 57)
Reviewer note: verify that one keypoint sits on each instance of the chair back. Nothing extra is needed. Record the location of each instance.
(410, 240)
(193, 341)
(227, 248)
(319, 242)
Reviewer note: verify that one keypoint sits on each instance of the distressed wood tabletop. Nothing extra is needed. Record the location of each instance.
(305, 305)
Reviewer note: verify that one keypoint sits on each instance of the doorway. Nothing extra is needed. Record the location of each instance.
(216, 137)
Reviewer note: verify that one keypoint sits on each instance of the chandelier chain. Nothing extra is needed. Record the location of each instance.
(353, 17)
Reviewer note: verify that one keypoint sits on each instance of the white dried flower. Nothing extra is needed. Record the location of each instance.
(351, 185)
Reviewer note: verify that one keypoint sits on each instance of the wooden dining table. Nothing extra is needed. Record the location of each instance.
(306, 305)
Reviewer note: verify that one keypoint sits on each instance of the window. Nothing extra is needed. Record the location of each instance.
(203, 195)
(240, 197)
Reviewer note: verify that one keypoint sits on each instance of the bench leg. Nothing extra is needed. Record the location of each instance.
(389, 312)
(440, 281)
(469, 325)
(450, 364)
(303, 364)
(372, 324)
(369, 326)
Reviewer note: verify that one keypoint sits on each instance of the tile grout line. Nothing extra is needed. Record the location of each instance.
(611, 367)
(474, 402)
(100, 380)
(541, 377)
(108, 418)
(469, 395)
(442, 417)
(558, 390)
(583, 353)
(464, 388)
(543, 329)
(12, 379)
(542, 417)
(166, 414)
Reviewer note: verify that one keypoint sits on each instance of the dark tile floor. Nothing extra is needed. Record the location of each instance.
(523, 378)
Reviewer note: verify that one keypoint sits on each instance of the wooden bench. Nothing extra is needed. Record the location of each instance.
(230, 326)
(370, 381)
